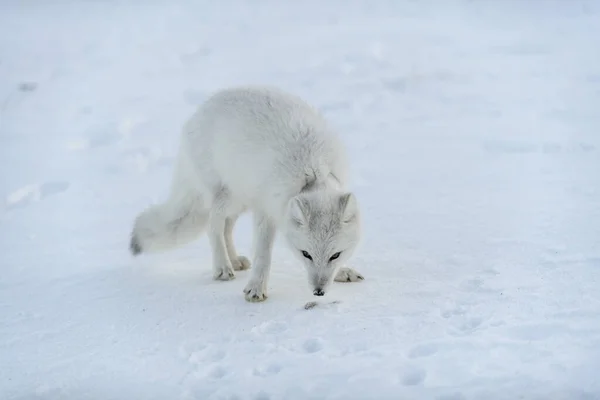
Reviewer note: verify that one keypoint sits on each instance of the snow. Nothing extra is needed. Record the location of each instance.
(473, 132)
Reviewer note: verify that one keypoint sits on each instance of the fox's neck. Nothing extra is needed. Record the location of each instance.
(321, 181)
(326, 184)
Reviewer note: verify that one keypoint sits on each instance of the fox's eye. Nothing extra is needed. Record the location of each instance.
(336, 255)
(305, 254)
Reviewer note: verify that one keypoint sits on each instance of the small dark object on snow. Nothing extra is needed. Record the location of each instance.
(27, 86)
(310, 304)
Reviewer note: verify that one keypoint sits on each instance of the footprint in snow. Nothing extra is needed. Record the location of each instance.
(195, 55)
(470, 324)
(267, 370)
(461, 325)
(423, 350)
(262, 396)
(536, 331)
(217, 372)
(33, 193)
(413, 376)
(463, 317)
(208, 362)
(459, 321)
(211, 354)
(144, 159)
(312, 345)
(451, 396)
(188, 348)
(107, 135)
(270, 327)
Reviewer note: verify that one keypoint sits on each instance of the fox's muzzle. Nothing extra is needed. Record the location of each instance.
(320, 283)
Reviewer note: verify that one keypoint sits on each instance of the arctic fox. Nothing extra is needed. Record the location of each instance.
(262, 150)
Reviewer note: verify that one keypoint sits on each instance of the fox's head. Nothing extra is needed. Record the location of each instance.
(323, 229)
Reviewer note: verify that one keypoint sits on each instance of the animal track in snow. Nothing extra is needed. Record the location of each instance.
(423, 350)
(195, 55)
(451, 396)
(270, 327)
(102, 139)
(208, 354)
(468, 325)
(188, 348)
(217, 372)
(143, 159)
(460, 322)
(267, 370)
(477, 285)
(523, 147)
(107, 135)
(207, 364)
(464, 315)
(452, 312)
(536, 331)
(33, 193)
(211, 355)
(473, 285)
(413, 376)
(262, 396)
(312, 345)
(127, 126)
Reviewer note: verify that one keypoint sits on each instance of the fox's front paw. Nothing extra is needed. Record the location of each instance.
(224, 273)
(241, 263)
(255, 292)
(348, 275)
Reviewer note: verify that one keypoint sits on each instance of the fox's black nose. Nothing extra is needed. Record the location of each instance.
(319, 292)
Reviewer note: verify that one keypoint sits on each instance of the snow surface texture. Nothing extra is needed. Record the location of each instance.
(473, 131)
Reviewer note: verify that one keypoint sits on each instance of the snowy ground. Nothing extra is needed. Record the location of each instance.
(473, 127)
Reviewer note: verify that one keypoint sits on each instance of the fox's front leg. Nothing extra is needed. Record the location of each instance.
(346, 274)
(264, 237)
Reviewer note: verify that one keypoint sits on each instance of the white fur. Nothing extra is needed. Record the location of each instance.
(263, 150)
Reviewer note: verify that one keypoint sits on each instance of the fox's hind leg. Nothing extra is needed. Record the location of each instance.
(239, 263)
(219, 212)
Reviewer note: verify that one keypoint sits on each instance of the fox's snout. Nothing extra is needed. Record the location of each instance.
(320, 284)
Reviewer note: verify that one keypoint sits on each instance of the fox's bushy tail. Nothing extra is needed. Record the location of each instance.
(178, 221)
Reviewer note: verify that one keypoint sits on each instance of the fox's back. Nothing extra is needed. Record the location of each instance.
(254, 138)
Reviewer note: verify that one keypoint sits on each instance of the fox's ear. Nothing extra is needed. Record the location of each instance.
(299, 210)
(348, 207)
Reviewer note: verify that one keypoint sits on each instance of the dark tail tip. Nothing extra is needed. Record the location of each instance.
(134, 246)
